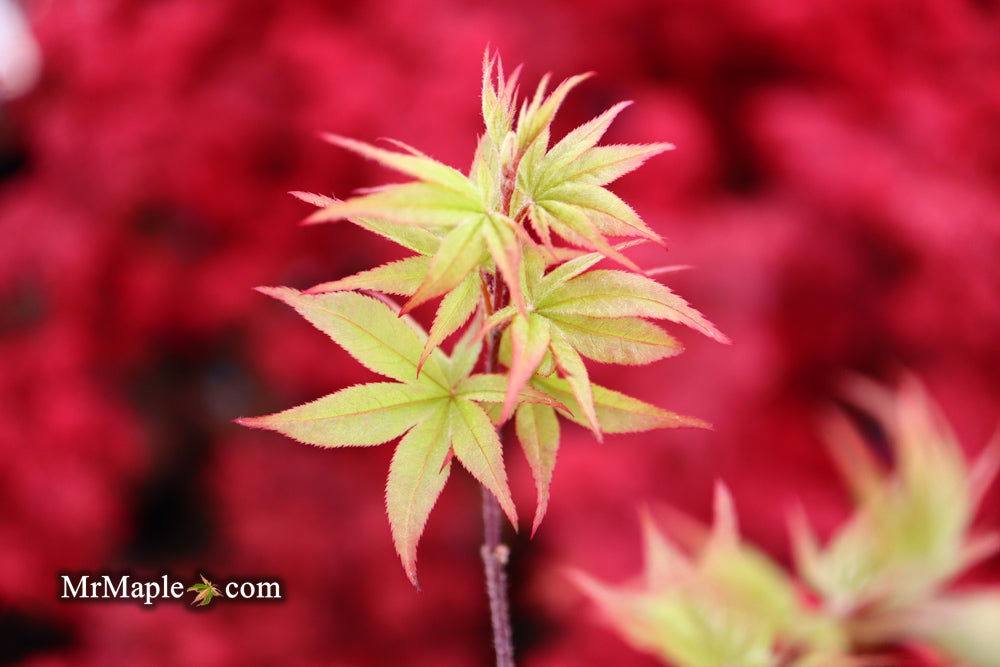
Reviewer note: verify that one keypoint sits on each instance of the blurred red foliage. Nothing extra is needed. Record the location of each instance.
(836, 184)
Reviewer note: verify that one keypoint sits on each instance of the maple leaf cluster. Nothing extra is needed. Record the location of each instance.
(484, 244)
(884, 579)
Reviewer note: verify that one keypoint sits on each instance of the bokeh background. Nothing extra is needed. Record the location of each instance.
(836, 185)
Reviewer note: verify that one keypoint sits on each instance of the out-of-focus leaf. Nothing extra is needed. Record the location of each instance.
(663, 561)
(963, 625)
(726, 605)
(910, 531)
(752, 580)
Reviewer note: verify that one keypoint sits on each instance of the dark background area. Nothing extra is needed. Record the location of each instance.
(835, 185)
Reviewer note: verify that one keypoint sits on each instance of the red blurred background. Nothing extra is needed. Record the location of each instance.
(836, 185)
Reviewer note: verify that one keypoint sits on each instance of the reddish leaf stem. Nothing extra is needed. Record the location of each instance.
(494, 552)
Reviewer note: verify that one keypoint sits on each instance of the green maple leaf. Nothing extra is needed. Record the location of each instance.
(442, 199)
(600, 319)
(560, 189)
(440, 412)
(537, 426)
(206, 592)
(574, 312)
(463, 223)
(418, 239)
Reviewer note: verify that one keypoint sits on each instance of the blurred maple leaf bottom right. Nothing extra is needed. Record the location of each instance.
(883, 581)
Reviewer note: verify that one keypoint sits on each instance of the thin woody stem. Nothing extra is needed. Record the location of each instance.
(494, 552)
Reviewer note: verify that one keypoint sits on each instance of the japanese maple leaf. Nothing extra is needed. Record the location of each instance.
(404, 277)
(561, 189)
(439, 412)
(442, 198)
(574, 312)
(206, 592)
(466, 222)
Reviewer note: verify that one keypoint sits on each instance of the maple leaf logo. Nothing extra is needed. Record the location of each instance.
(206, 592)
